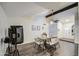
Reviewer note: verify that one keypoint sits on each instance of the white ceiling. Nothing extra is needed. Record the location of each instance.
(17, 9)
(54, 5)
(66, 15)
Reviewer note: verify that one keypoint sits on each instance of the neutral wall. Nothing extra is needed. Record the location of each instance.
(53, 30)
(65, 29)
(27, 23)
(40, 21)
(77, 28)
(3, 30)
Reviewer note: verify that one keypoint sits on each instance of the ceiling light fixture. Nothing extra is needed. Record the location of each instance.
(51, 22)
(67, 20)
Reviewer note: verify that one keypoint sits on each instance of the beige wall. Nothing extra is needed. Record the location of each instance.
(27, 23)
(77, 26)
(3, 28)
(65, 29)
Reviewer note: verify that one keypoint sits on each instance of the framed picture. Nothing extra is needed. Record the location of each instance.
(33, 28)
(38, 28)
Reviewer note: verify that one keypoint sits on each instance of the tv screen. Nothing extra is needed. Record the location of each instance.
(19, 34)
